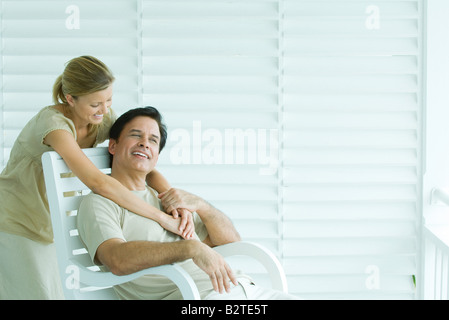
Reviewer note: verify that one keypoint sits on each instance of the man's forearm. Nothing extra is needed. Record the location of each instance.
(220, 228)
(128, 257)
(123, 258)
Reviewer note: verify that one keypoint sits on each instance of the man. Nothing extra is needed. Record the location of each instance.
(124, 242)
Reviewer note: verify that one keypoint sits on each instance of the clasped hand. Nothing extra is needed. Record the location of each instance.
(180, 204)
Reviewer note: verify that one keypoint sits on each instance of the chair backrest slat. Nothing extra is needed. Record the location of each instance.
(72, 204)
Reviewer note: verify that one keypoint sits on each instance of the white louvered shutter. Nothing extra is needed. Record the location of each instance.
(352, 147)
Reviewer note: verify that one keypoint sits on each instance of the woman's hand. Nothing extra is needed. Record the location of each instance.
(186, 227)
(181, 203)
(181, 225)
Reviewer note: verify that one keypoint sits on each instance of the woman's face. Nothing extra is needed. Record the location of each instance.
(90, 108)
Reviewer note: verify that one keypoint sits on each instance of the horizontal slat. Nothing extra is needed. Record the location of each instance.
(341, 65)
(350, 192)
(398, 139)
(388, 283)
(348, 228)
(46, 10)
(325, 265)
(348, 46)
(202, 102)
(225, 175)
(351, 8)
(57, 28)
(368, 101)
(351, 84)
(356, 26)
(353, 120)
(54, 65)
(259, 228)
(75, 243)
(100, 161)
(83, 259)
(349, 246)
(207, 65)
(253, 47)
(237, 210)
(353, 287)
(350, 174)
(337, 156)
(210, 84)
(210, 28)
(70, 223)
(28, 101)
(16, 83)
(69, 46)
(71, 203)
(199, 122)
(215, 192)
(350, 210)
(208, 9)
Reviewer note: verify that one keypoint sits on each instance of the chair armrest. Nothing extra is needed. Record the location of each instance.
(175, 273)
(261, 254)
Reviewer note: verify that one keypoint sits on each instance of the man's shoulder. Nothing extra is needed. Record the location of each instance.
(95, 202)
(94, 197)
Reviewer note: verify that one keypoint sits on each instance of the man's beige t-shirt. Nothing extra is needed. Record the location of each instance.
(100, 219)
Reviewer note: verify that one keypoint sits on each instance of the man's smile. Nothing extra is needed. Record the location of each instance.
(141, 154)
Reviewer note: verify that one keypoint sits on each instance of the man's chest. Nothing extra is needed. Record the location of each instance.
(138, 228)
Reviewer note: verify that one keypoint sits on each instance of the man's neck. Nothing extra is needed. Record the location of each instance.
(134, 181)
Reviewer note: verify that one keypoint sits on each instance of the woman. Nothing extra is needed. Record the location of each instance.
(80, 118)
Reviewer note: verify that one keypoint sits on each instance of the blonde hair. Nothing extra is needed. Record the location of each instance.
(81, 76)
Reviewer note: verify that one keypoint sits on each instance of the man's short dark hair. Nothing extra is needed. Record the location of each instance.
(151, 112)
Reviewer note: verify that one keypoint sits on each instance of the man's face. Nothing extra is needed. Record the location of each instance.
(138, 145)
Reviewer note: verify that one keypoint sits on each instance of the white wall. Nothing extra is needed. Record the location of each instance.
(437, 131)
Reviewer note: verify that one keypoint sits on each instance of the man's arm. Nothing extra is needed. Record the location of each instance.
(123, 258)
(219, 227)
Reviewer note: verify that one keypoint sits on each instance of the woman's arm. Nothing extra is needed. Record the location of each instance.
(158, 182)
(66, 146)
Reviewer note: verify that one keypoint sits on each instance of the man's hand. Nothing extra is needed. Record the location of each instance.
(176, 198)
(215, 266)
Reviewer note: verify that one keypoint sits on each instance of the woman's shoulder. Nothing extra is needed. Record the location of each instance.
(51, 118)
(50, 112)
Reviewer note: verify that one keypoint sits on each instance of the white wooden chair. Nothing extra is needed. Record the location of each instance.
(80, 278)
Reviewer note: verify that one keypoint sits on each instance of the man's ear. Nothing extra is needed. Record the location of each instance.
(112, 145)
